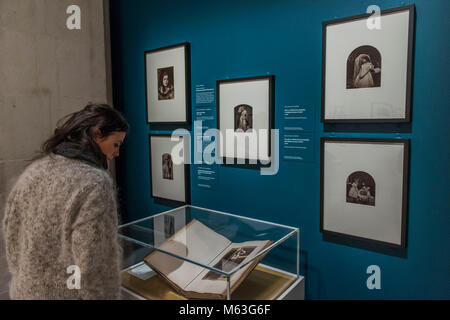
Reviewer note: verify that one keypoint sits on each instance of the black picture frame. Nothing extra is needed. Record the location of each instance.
(410, 9)
(352, 239)
(247, 163)
(186, 93)
(166, 200)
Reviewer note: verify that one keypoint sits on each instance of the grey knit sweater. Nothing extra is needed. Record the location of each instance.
(62, 212)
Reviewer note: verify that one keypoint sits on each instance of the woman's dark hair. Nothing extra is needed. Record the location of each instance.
(80, 127)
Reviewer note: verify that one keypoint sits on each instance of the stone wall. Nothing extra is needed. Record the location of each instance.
(46, 72)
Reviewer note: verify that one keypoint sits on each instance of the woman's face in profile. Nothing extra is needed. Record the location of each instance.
(110, 145)
(165, 80)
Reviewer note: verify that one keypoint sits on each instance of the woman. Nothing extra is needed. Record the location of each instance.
(165, 90)
(362, 73)
(61, 214)
(353, 193)
(167, 165)
(243, 122)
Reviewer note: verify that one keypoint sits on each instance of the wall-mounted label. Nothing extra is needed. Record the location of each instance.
(298, 146)
(204, 95)
(299, 118)
(205, 114)
(207, 176)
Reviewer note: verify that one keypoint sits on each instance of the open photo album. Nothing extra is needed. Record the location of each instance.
(198, 243)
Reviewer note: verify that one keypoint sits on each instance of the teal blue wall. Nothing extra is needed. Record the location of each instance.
(256, 37)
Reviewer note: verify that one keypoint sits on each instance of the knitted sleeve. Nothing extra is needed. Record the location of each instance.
(95, 247)
(11, 224)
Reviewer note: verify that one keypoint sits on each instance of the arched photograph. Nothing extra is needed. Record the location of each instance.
(167, 166)
(243, 118)
(361, 188)
(166, 90)
(364, 68)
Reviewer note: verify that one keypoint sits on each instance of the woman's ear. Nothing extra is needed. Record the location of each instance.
(97, 135)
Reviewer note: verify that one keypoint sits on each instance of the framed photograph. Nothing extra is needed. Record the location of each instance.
(367, 67)
(245, 119)
(167, 82)
(169, 169)
(364, 189)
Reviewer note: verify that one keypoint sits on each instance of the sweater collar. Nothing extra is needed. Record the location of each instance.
(81, 152)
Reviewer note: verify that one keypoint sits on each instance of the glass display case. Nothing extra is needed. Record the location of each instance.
(197, 253)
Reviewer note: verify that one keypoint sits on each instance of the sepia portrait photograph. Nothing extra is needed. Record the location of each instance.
(166, 89)
(229, 261)
(167, 166)
(361, 188)
(364, 68)
(243, 117)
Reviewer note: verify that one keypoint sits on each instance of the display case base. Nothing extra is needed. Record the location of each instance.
(263, 283)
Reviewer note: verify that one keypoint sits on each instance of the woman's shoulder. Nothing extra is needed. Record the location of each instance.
(83, 170)
(56, 168)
